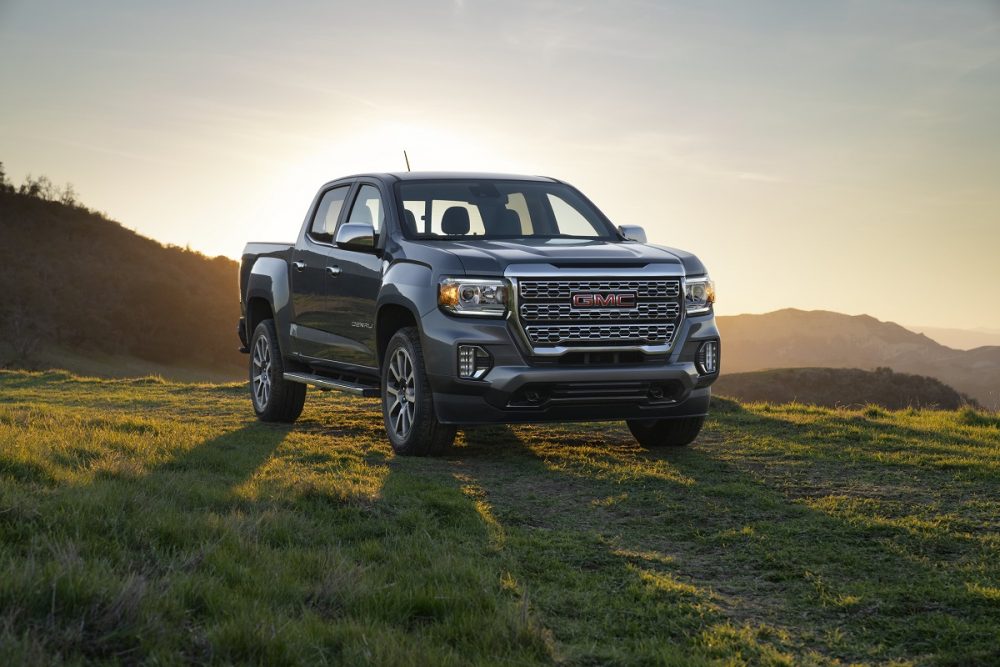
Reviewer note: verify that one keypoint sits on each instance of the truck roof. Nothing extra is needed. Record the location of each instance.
(442, 175)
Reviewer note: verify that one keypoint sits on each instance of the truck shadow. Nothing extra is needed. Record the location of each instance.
(720, 547)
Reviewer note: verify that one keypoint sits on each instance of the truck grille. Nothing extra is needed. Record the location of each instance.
(599, 312)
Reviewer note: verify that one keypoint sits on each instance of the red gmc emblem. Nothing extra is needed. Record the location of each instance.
(604, 300)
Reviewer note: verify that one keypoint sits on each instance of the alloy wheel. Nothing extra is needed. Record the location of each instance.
(261, 375)
(400, 387)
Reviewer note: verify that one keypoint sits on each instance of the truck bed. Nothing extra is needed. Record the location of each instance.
(253, 250)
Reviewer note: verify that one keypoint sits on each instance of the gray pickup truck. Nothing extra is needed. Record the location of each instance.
(462, 299)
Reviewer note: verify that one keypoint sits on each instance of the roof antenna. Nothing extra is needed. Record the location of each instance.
(407, 158)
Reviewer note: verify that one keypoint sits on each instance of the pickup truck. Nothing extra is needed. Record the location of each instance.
(464, 298)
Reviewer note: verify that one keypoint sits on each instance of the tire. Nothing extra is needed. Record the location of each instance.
(407, 401)
(666, 432)
(274, 398)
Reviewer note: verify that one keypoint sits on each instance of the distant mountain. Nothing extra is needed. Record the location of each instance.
(960, 339)
(840, 387)
(80, 291)
(793, 338)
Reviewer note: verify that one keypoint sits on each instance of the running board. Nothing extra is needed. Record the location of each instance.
(365, 390)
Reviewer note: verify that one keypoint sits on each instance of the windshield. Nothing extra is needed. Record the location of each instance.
(494, 209)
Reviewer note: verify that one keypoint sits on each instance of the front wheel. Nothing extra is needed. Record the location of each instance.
(407, 402)
(666, 432)
(274, 398)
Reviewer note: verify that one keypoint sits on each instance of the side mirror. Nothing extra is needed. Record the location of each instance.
(633, 232)
(356, 236)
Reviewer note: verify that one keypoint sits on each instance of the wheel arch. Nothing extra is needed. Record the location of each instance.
(268, 293)
(393, 315)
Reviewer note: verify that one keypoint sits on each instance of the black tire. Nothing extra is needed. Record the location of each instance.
(407, 401)
(666, 432)
(282, 400)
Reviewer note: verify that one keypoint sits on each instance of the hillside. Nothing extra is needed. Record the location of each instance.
(960, 339)
(796, 338)
(840, 387)
(83, 292)
(194, 534)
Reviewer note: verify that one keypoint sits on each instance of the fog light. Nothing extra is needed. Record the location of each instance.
(473, 362)
(708, 357)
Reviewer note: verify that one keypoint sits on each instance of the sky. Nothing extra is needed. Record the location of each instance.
(819, 155)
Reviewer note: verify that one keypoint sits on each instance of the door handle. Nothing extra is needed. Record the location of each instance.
(299, 265)
(334, 270)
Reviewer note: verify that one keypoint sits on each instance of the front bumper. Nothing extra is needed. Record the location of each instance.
(521, 389)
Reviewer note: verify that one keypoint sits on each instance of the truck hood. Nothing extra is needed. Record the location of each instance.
(492, 257)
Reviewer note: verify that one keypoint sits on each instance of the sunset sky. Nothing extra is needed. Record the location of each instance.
(834, 155)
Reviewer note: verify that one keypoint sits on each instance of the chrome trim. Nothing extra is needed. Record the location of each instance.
(567, 313)
(515, 273)
(585, 331)
(324, 383)
(355, 236)
(567, 286)
(633, 233)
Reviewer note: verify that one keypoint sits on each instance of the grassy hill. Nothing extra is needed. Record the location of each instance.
(796, 338)
(87, 294)
(840, 387)
(148, 521)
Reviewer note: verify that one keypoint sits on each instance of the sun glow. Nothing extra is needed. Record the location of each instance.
(378, 149)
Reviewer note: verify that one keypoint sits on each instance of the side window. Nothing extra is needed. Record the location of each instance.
(569, 220)
(327, 213)
(368, 208)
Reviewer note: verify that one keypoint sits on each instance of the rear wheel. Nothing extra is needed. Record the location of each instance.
(407, 402)
(274, 398)
(666, 432)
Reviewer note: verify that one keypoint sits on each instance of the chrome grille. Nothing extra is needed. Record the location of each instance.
(600, 333)
(562, 289)
(563, 311)
(548, 317)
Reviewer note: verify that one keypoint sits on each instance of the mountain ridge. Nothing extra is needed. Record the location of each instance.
(795, 338)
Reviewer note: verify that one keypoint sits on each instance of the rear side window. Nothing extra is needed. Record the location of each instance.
(327, 213)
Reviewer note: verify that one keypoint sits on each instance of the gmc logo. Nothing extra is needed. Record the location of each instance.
(604, 300)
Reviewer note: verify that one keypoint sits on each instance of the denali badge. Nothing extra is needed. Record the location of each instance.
(604, 300)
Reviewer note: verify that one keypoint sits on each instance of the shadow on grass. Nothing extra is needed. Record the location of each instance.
(102, 544)
(695, 565)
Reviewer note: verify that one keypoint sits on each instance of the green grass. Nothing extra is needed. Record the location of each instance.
(154, 522)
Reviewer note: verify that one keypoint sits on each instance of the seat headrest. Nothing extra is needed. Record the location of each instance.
(361, 213)
(455, 221)
(409, 222)
(508, 224)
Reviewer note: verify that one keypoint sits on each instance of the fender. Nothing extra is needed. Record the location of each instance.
(407, 284)
(269, 281)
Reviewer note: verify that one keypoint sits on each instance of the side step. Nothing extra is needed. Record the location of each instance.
(365, 390)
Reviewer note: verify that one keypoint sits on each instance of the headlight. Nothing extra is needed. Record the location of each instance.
(473, 296)
(699, 295)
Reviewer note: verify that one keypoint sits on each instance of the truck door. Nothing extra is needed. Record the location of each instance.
(354, 281)
(312, 320)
